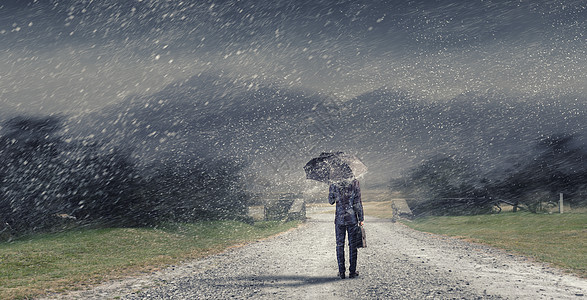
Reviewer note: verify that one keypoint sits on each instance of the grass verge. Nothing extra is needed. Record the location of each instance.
(76, 259)
(559, 239)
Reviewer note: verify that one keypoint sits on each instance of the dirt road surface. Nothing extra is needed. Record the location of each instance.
(399, 263)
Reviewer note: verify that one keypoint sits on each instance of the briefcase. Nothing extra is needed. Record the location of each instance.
(360, 238)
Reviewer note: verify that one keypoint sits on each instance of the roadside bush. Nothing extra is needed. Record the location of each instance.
(447, 186)
(30, 191)
(443, 186)
(194, 190)
(48, 182)
(559, 167)
(450, 206)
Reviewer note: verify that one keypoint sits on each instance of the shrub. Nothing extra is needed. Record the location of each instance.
(48, 183)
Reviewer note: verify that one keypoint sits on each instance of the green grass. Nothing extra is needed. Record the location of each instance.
(559, 239)
(72, 260)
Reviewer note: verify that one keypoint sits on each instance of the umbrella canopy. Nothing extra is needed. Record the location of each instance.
(334, 166)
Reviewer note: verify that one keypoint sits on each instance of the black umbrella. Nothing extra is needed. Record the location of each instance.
(334, 166)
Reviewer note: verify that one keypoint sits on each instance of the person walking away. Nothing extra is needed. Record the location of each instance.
(349, 215)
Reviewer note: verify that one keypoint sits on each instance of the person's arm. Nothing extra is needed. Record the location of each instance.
(331, 195)
(357, 203)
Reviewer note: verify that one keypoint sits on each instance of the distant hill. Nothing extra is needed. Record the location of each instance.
(493, 131)
(277, 129)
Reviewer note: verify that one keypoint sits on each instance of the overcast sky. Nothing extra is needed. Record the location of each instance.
(69, 56)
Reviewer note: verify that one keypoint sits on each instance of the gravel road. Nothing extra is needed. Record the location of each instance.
(399, 263)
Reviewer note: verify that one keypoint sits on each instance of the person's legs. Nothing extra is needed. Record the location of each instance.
(340, 235)
(352, 250)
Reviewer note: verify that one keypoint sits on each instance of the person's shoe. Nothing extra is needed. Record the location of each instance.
(354, 274)
(341, 275)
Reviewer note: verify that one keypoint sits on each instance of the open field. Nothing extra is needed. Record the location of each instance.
(76, 259)
(380, 209)
(559, 239)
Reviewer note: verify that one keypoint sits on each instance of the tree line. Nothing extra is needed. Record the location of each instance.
(49, 181)
(451, 185)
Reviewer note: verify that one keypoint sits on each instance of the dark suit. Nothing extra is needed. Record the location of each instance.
(349, 212)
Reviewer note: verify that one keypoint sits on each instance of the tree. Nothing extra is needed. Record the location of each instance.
(101, 184)
(45, 179)
(192, 190)
(559, 167)
(443, 186)
(29, 186)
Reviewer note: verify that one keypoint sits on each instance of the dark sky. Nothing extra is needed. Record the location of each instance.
(64, 56)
